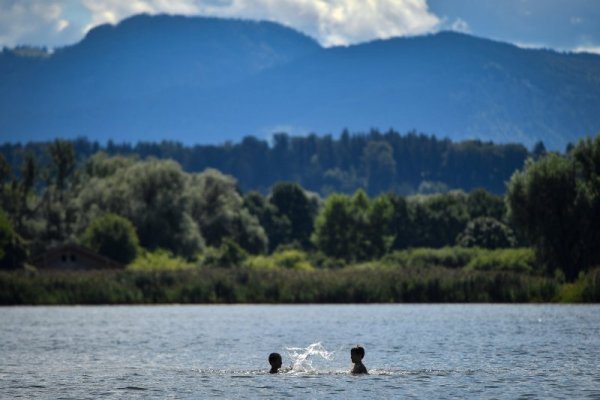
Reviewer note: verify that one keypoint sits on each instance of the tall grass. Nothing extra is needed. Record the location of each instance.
(451, 274)
(517, 260)
(258, 285)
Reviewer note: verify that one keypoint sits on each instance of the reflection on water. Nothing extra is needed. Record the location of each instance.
(414, 351)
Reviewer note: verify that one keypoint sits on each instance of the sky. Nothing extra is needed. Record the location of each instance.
(566, 25)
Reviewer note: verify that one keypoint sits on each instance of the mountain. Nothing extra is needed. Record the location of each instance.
(77, 90)
(207, 80)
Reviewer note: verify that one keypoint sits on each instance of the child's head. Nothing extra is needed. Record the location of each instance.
(357, 353)
(275, 360)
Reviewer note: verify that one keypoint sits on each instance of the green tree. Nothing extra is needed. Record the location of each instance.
(218, 208)
(586, 156)
(293, 203)
(380, 166)
(5, 171)
(539, 150)
(152, 195)
(381, 232)
(100, 165)
(354, 228)
(400, 222)
(488, 233)
(13, 249)
(438, 219)
(481, 203)
(360, 237)
(24, 193)
(228, 255)
(57, 209)
(6, 234)
(543, 202)
(62, 154)
(334, 228)
(112, 236)
(276, 226)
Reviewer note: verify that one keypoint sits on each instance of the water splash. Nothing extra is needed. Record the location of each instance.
(303, 358)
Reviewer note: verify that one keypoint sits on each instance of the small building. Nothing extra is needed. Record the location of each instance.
(72, 257)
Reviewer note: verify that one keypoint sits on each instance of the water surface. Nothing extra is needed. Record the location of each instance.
(412, 351)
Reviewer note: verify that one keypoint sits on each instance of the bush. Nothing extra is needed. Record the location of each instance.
(517, 260)
(159, 260)
(449, 257)
(287, 259)
(228, 255)
(586, 289)
(112, 236)
(591, 291)
(488, 233)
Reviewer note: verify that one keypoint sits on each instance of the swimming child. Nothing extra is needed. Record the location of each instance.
(356, 355)
(275, 361)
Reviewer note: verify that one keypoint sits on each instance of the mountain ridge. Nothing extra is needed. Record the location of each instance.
(208, 80)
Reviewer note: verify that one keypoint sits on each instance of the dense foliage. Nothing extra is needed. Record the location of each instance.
(13, 249)
(188, 222)
(555, 203)
(486, 232)
(377, 161)
(112, 236)
(55, 198)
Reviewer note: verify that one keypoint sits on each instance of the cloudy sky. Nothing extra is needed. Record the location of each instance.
(558, 24)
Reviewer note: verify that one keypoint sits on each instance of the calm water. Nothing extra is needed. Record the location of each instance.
(412, 351)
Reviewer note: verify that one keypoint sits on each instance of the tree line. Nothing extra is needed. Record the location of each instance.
(168, 208)
(123, 205)
(376, 161)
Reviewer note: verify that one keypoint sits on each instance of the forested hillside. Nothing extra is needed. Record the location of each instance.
(206, 80)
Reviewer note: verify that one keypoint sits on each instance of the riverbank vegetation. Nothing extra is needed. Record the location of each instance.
(292, 276)
(357, 284)
(202, 233)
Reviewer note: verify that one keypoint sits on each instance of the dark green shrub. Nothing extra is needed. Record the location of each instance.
(488, 233)
(229, 254)
(13, 249)
(112, 236)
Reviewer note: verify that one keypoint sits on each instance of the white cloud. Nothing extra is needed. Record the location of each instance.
(113, 11)
(338, 22)
(527, 45)
(587, 49)
(460, 25)
(61, 25)
(24, 22)
(332, 22)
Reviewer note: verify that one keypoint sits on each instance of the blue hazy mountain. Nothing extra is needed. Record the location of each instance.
(207, 80)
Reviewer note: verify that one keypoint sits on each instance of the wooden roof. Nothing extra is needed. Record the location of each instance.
(58, 251)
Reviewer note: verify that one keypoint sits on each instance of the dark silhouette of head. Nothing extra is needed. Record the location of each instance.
(357, 354)
(275, 361)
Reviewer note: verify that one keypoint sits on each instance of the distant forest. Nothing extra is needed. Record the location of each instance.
(378, 162)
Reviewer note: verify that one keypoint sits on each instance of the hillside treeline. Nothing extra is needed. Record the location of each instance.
(377, 162)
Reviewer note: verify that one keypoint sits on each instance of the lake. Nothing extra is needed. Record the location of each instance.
(412, 351)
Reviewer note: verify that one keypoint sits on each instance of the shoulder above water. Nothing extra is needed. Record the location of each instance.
(359, 369)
